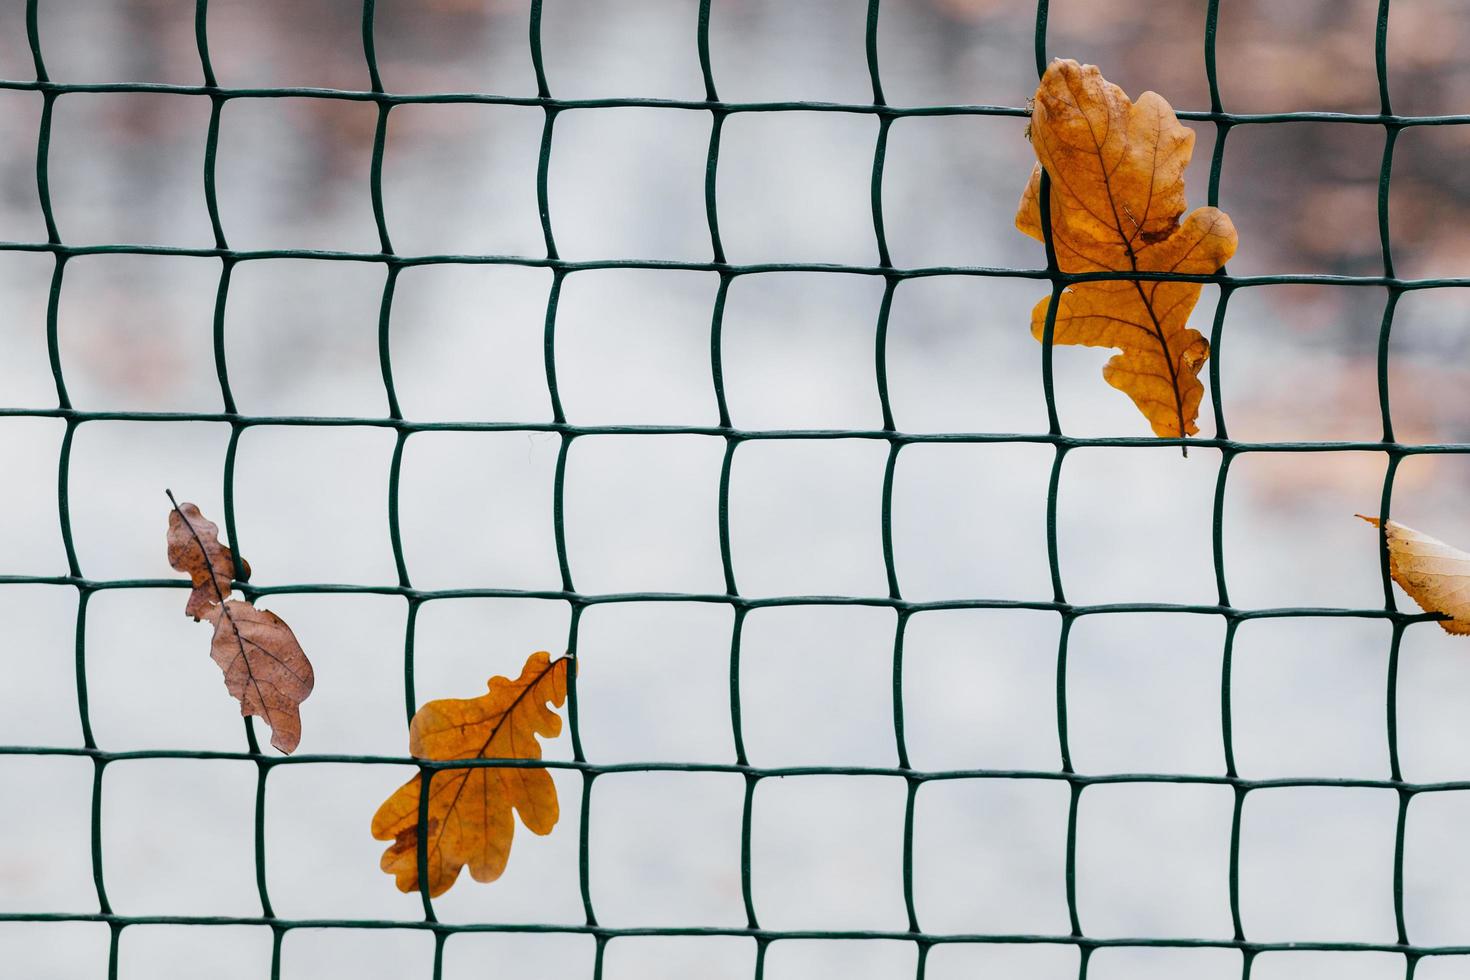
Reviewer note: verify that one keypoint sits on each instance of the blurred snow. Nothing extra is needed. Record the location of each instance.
(641, 511)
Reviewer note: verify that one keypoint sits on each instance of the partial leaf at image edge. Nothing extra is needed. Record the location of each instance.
(1434, 574)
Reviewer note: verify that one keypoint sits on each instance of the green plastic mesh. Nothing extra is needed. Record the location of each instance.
(1391, 286)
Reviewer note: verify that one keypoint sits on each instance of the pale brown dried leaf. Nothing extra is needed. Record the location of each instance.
(194, 548)
(469, 810)
(1435, 575)
(265, 668)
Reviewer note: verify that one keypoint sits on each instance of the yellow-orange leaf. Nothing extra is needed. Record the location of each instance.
(469, 811)
(1435, 575)
(1117, 194)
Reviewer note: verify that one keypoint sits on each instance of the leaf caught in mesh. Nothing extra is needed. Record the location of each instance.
(1435, 575)
(469, 810)
(194, 548)
(265, 668)
(1117, 194)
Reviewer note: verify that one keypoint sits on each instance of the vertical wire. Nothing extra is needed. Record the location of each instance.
(421, 843)
(262, 770)
(395, 412)
(1227, 456)
(880, 354)
(385, 352)
(33, 38)
(201, 41)
(1391, 129)
(711, 188)
(53, 335)
(395, 530)
(222, 293)
(1071, 869)
(1217, 160)
(1058, 283)
(385, 349)
(701, 40)
(1390, 137)
(232, 450)
(537, 62)
(598, 955)
(1233, 878)
(880, 370)
(717, 124)
(221, 366)
(63, 471)
(1217, 329)
(99, 764)
(717, 379)
(548, 345)
(543, 166)
(717, 372)
(211, 202)
(114, 940)
(732, 441)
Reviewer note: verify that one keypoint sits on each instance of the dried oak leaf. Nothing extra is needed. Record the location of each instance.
(1117, 194)
(265, 668)
(194, 548)
(1435, 575)
(469, 810)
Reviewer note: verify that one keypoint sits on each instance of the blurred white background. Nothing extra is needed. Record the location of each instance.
(641, 511)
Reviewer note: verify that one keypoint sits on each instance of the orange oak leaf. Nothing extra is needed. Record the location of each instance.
(265, 668)
(469, 810)
(1117, 195)
(1435, 575)
(194, 548)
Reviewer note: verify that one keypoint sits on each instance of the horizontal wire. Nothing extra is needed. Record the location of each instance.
(745, 435)
(769, 935)
(732, 269)
(759, 772)
(697, 105)
(743, 601)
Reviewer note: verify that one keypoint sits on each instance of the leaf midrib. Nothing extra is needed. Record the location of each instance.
(1158, 329)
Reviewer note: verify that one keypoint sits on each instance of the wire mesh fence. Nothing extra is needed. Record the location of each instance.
(1389, 286)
